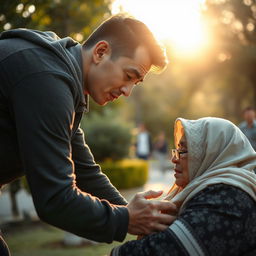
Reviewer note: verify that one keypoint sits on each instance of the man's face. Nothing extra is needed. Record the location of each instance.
(249, 115)
(108, 79)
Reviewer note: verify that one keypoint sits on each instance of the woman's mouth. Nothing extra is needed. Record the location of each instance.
(177, 174)
(177, 171)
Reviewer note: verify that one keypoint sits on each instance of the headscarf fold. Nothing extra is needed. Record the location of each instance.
(218, 152)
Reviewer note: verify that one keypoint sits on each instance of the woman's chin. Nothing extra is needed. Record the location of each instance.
(180, 183)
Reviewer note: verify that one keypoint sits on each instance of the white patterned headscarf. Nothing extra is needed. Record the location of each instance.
(218, 152)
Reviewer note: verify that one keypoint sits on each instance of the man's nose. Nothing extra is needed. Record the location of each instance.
(127, 89)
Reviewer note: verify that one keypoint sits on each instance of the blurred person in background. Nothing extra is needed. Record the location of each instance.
(161, 151)
(214, 191)
(44, 90)
(143, 143)
(248, 126)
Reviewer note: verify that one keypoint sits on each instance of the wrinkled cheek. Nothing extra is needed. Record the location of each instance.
(186, 178)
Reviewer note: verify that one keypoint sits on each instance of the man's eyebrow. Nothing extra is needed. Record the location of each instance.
(136, 72)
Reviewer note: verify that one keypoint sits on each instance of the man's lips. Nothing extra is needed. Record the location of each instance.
(113, 96)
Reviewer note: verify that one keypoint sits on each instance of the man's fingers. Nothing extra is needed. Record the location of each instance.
(167, 206)
(147, 216)
(165, 219)
(164, 206)
(156, 227)
(151, 194)
(160, 218)
(160, 227)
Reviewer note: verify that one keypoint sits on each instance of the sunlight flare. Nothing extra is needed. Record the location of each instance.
(176, 21)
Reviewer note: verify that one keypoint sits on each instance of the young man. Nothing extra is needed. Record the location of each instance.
(44, 88)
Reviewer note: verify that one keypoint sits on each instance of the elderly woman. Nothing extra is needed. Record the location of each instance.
(215, 192)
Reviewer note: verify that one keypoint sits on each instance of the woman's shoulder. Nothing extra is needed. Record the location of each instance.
(223, 197)
(223, 219)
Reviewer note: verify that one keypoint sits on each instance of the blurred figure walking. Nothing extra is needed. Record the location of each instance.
(248, 126)
(143, 143)
(161, 151)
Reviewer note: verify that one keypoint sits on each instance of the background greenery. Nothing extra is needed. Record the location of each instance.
(47, 240)
(127, 173)
(107, 136)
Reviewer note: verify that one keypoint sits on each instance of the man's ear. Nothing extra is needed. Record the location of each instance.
(101, 49)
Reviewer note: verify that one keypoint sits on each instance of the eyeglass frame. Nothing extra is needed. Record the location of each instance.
(176, 153)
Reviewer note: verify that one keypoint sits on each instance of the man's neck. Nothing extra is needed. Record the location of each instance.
(86, 64)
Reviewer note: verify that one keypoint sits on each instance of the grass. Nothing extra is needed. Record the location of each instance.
(44, 240)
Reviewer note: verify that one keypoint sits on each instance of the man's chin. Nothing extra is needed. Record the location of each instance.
(100, 101)
(102, 104)
(105, 103)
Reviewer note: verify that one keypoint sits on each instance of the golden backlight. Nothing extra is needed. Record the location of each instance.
(176, 21)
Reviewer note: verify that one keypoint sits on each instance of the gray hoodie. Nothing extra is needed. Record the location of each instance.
(41, 105)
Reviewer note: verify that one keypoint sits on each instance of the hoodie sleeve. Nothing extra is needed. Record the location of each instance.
(43, 109)
(89, 176)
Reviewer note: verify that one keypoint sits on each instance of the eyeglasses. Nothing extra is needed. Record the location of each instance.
(177, 154)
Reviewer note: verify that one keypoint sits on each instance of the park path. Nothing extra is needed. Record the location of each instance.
(157, 181)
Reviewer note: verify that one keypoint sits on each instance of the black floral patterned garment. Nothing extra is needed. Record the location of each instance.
(220, 218)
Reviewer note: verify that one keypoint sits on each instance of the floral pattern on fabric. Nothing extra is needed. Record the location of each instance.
(224, 222)
(221, 218)
(161, 243)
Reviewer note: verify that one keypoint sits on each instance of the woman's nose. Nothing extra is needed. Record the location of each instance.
(174, 159)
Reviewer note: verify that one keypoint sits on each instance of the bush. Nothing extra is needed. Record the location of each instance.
(107, 137)
(123, 174)
(126, 173)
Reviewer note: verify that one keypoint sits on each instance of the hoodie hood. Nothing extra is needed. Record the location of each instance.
(68, 50)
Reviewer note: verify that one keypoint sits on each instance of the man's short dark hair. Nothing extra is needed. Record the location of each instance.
(125, 34)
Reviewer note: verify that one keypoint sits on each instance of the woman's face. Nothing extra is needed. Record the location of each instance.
(181, 164)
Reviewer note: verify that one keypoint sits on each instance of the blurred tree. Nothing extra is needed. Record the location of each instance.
(74, 18)
(233, 25)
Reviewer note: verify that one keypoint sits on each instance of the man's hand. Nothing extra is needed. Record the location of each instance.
(148, 216)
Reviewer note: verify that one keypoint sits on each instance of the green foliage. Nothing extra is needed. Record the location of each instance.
(232, 25)
(74, 18)
(232, 19)
(42, 240)
(25, 185)
(106, 136)
(126, 173)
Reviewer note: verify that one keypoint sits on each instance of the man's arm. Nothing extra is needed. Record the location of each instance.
(89, 177)
(145, 215)
(43, 109)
